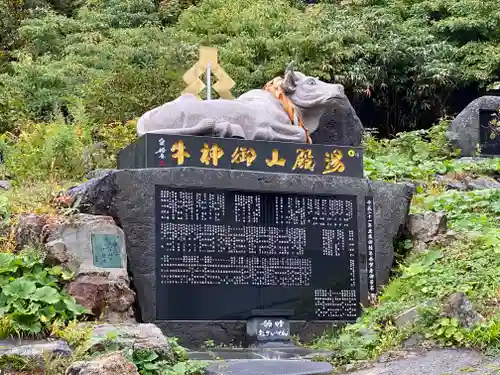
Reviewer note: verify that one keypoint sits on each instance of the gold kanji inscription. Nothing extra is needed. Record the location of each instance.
(211, 154)
(333, 162)
(304, 160)
(242, 155)
(179, 152)
(224, 82)
(276, 160)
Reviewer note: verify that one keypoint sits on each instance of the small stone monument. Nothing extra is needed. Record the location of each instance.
(269, 328)
(472, 129)
(94, 248)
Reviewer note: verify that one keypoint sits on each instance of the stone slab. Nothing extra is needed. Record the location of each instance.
(168, 151)
(34, 349)
(194, 334)
(117, 194)
(269, 367)
(83, 237)
(284, 352)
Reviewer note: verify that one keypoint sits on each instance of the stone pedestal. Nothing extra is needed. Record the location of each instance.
(129, 196)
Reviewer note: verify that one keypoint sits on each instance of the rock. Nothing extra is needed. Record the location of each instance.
(96, 195)
(407, 317)
(57, 254)
(392, 355)
(129, 196)
(111, 364)
(435, 362)
(138, 336)
(481, 183)
(97, 173)
(427, 226)
(468, 183)
(339, 126)
(413, 341)
(78, 235)
(34, 349)
(5, 185)
(29, 231)
(464, 130)
(269, 367)
(108, 296)
(411, 315)
(459, 307)
(81, 244)
(450, 183)
(446, 239)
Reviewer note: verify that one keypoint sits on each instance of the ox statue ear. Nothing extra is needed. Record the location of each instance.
(289, 81)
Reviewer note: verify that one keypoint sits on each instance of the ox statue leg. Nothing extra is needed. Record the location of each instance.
(281, 133)
(226, 129)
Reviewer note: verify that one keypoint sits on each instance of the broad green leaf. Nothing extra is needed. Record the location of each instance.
(180, 367)
(27, 323)
(150, 366)
(74, 307)
(46, 294)
(430, 257)
(4, 280)
(62, 273)
(459, 336)
(9, 263)
(44, 279)
(20, 288)
(449, 332)
(49, 311)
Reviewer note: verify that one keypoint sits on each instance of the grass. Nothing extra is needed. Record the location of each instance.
(468, 260)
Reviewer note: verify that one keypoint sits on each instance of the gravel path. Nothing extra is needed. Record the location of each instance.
(437, 362)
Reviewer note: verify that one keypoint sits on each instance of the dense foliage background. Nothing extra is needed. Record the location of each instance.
(405, 63)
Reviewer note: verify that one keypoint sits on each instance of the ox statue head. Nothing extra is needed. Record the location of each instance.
(311, 96)
(309, 92)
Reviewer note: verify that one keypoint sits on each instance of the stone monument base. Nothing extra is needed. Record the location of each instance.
(365, 218)
(194, 334)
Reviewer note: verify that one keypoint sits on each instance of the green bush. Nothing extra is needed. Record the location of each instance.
(404, 62)
(57, 151)
(150, 363)
(419, 155)
(32, 296)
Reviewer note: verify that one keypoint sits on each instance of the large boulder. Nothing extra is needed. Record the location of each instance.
(339, 126)
(464, 130)
(80, 235)
(425, 228)
(135, 336)
(107, 295)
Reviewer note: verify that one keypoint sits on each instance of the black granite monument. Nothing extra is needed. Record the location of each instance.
(167, 151)
(213, 234)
